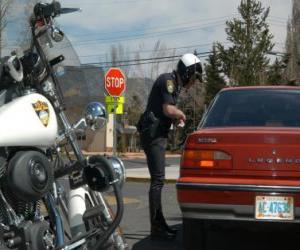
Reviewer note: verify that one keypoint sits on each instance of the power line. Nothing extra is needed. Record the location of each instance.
(164, 59)
(153, 34)
(114, 2)
(155, 58)
(279, 18)
(143, 60)
(167, 49)
(130, 64)
(161, 28)
(217, 19)
(160, 32)
(147, 35)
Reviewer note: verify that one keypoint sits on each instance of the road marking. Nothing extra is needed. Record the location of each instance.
(127, 200)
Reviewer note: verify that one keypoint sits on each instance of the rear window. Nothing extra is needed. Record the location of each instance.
(257, 107)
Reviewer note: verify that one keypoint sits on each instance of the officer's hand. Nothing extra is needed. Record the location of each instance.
(180, 123)
(182, 117)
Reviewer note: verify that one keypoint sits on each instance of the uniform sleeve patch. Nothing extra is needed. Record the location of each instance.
(170, 86)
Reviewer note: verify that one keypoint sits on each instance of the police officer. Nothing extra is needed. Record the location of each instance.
(154, 126)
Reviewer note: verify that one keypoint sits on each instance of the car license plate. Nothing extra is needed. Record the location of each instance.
(274, 208)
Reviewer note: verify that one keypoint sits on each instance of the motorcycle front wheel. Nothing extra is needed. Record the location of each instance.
(117, 240)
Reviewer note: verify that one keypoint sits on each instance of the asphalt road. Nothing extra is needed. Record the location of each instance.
(136, 226)
(135, 221)
(227, 236)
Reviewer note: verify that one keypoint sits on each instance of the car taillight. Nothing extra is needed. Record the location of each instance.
(206, 159)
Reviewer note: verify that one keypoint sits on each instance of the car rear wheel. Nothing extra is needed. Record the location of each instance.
(194, 234)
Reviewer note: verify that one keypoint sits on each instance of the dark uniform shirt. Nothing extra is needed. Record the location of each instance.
(164, 91)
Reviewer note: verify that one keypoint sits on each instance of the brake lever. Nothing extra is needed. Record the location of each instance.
(57, 60)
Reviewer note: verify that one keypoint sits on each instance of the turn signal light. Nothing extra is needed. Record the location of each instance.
(206, 159)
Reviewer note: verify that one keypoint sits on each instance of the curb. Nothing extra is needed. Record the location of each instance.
(130, 157)
(147, 179)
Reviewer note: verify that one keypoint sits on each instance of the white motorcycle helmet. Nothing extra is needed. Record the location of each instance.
(188, 66)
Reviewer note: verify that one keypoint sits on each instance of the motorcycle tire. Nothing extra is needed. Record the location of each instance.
(116, 241)
(119, 234)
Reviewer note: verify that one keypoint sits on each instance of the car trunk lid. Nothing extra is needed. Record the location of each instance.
(261, 148)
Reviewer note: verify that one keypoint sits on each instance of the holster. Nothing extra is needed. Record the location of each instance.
(148, 125)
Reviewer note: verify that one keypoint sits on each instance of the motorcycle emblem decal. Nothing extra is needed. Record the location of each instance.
(42, 111)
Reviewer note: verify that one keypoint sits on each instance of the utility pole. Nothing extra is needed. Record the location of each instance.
(1, 29)
(294, 50)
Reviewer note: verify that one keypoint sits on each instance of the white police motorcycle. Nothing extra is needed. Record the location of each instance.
(36, 210)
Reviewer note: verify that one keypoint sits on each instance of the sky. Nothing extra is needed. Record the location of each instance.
(137, 25)
(180, 26)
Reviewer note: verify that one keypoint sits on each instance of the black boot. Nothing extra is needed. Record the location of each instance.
(159, 232)
(159, 227)
(164, 223)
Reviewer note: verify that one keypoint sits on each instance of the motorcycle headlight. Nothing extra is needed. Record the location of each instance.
(103, 171)
(119, 170)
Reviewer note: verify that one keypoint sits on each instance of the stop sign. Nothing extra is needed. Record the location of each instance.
(115, 82)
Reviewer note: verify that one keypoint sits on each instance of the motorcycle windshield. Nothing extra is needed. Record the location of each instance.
(71, 77)
(14, 26)
(16, 33)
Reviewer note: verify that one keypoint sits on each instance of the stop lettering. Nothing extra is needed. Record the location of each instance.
(115, 82)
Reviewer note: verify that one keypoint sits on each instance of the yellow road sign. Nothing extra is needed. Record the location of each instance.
(111, 99)
(114, 108)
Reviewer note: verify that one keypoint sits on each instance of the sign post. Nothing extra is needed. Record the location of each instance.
(115, 84)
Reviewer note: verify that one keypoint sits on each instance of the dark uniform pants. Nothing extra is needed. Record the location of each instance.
(155, 153)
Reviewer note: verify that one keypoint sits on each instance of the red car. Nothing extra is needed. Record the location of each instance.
(243, 162)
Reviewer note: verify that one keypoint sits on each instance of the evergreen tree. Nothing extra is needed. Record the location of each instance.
(134, 109)
(246, 59)
(214, 81)
(275, 73)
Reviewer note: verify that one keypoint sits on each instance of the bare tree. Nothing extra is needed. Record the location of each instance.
(25, 32)
(152, 68)
(4, 7)
(14, 25)
(119, 57)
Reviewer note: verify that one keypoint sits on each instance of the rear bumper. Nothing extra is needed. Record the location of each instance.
(225, 212)
(236, 187)
(229, 201)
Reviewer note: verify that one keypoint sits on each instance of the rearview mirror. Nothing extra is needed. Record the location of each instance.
(56, 34)
(95, 115)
